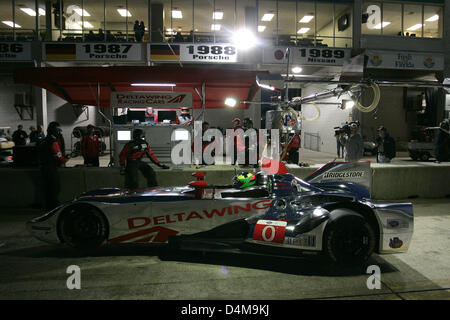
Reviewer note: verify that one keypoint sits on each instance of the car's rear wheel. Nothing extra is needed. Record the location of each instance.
(348, 239)
(83, 226)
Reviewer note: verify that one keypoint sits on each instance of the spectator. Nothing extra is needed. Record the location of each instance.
(109, 36)
(353, 143)
(90, 147)
(137, 31)
(37, 135)
(442, 142)
(386, 146)
(90, 36)
(179, 37)
(101, 35)
(20, 136)
(142, 29)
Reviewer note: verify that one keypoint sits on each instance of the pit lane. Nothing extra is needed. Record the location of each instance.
(31, 269)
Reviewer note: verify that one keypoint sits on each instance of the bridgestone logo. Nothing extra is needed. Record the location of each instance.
(348, 174)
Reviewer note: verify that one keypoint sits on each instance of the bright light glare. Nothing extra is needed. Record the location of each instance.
(218, 15)
(11, 24)
(82, 12)
(153, 84)
(267, 17)
(177, 14)
(433, 18)
(86, 24)
(124, 12)
(261, 28)
(297, 69)
(124, 135)
(349, 104)
(303, 30)
(231, 102)
(384, 23)
(244, 39)
(306, 19)
(415, 27)
(215, 27)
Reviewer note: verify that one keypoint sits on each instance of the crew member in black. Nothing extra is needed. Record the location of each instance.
(20, 136)
(131, 156)
(50, 158)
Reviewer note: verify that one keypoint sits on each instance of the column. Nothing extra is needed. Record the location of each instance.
(356, 24)
(40, 98)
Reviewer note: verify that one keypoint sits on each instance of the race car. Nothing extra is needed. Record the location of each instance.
(272, 211)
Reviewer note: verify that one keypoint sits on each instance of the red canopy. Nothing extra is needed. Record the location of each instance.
(78, 85)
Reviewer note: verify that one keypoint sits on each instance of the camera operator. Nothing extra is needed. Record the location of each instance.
(352, 142)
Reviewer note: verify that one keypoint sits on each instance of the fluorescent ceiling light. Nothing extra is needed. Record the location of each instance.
(261, 28)
(86, 24)
(218, 15)
(11, 24)
(124, 12)
(32, 13)
(244, 39)
(82, 12)
(303, 30)
(153, 84)
(267, 17)
(231, 102)
(415, 27)
(177, 14)
(306, 19)
(433, 18)
(297, 69)
(215, 27)
(384, 23)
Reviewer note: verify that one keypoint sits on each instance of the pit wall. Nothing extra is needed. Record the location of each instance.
(23, 187)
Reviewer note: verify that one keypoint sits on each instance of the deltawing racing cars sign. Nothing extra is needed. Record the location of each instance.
(150, 99)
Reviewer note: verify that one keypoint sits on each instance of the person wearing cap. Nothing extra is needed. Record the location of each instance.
(353, 143)
(386, 146)
(130, 159)
(51, 157)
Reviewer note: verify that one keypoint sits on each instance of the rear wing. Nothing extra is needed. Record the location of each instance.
(357, 172)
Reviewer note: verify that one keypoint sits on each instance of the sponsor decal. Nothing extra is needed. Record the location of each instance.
(394, 223)
(278, 54)
(395, 243)
(140, 222)
(347, 174)
(376, 61)
(154, 234)
(303, 240)
(270, 231)
(428, 62)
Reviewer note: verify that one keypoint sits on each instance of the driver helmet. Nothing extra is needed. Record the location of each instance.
(244, 180)
(54, 129)
(138, 134)
(247, 123)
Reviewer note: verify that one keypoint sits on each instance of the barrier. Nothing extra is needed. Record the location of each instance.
(23, 188)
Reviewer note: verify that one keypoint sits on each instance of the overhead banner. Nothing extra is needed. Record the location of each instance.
(202, 53)
(307, 55)
(93, 51)
(212, 53)
(144, 99)
(404, 60)
(15, 51)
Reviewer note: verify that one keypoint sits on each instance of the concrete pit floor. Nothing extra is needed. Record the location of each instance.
(31, 269)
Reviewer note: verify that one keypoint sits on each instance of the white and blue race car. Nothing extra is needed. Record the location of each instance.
(330, 213)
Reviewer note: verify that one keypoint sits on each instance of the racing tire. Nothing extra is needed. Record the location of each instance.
(349, 240)
(83, 227)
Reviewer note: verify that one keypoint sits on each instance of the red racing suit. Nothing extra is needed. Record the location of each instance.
(136, 150)
(90, 146)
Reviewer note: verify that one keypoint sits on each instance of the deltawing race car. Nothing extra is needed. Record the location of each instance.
(330, 213)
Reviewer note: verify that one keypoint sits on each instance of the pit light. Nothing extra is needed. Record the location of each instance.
(244, 39)
(231, 102)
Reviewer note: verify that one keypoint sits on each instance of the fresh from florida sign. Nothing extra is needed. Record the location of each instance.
(404, 60)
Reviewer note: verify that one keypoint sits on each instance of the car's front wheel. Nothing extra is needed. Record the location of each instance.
(83, 226)
(348, 238)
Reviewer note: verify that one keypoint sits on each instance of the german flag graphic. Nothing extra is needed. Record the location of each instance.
(164, 53)
(60, 51)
